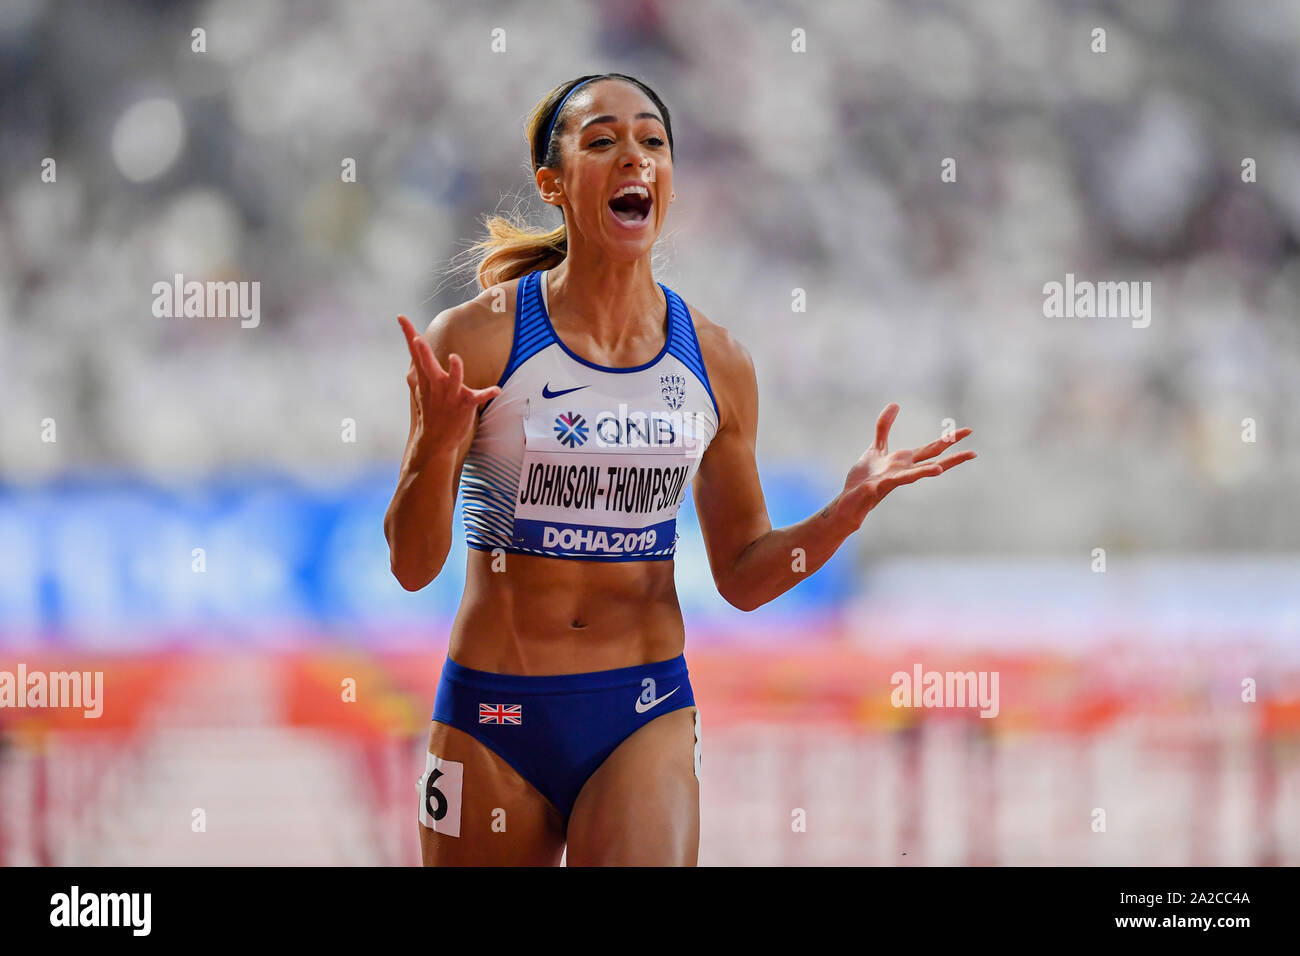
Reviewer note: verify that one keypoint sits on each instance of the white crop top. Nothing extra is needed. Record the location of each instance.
(578, 460)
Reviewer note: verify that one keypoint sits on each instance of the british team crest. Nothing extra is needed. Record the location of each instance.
(673, 390)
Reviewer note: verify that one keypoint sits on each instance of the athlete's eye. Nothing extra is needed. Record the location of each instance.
(653, 140)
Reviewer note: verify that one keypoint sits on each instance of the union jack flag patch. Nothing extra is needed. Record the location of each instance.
(500, 713)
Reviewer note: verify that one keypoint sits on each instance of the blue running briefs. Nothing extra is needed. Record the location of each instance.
(556, 730)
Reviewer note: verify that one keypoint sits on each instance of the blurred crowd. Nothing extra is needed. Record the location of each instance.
(810, 142)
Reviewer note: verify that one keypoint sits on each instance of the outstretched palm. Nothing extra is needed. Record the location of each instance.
(879, 471)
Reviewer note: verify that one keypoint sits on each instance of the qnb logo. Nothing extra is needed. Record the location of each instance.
(659, 429)
(570, 429)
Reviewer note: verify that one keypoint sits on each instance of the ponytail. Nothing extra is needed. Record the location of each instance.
(512, 249)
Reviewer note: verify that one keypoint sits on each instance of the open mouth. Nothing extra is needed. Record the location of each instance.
(632, 204)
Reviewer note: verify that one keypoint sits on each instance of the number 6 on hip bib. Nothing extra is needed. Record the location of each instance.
(439, 788)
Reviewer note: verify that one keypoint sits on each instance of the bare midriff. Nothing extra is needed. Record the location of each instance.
(538, 615)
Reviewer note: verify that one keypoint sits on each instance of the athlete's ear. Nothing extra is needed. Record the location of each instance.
(548, 184)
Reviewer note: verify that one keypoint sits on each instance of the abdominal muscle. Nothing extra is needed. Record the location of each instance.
(557, 616)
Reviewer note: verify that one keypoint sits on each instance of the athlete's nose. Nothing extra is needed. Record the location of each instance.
(635, 160)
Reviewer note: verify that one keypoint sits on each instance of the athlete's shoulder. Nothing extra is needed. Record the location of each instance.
(728, 363)
(490, 311)
(479, 330)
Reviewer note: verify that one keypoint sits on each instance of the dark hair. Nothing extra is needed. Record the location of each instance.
(547, 153)
(512, 249)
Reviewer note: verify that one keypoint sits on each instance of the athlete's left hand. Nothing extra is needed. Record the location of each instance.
(879, 471)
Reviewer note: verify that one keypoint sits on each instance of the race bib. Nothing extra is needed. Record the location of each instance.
(440, 789)
(605, 483)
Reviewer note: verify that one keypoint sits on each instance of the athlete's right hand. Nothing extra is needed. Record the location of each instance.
(443, 406)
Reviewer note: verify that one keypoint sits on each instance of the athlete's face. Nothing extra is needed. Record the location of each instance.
(614, 136)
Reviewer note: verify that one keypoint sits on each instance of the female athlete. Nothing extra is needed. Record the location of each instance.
(574, 399)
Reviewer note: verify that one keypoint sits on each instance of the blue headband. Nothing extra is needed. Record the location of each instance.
(556, 115)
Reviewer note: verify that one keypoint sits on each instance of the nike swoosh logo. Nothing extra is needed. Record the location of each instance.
(547, 393)
(642, 706)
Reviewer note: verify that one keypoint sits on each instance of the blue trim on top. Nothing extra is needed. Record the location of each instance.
(687, 343)
(532, 333)
(668, 340)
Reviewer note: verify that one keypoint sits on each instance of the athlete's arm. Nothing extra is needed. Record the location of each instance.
(443, 422)
(751, 562)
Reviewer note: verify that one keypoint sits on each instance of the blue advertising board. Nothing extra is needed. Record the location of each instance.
(120, 561)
